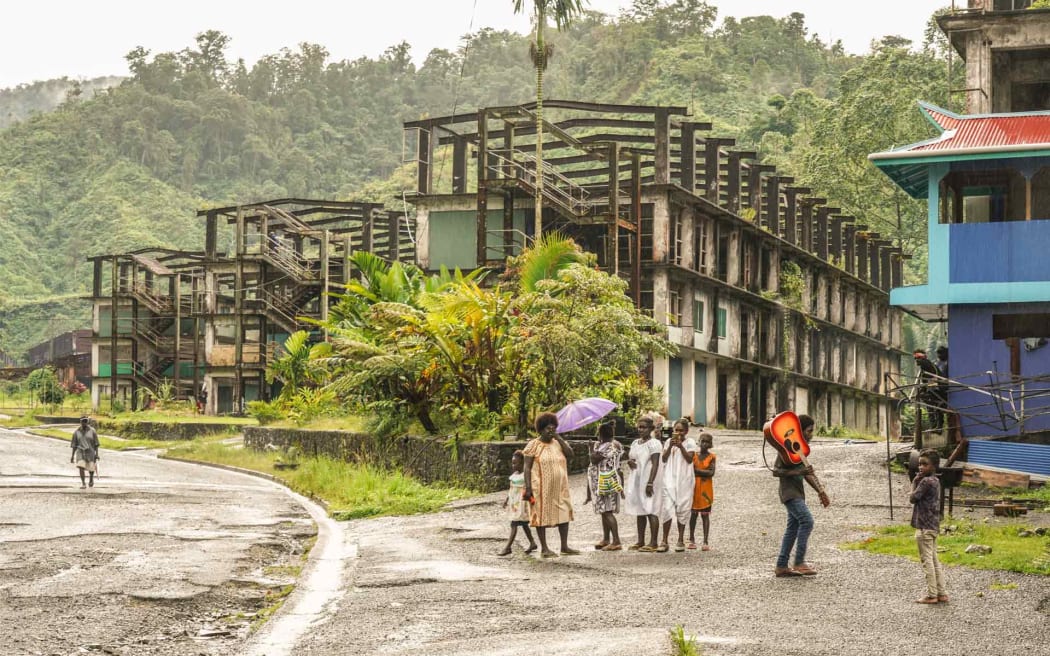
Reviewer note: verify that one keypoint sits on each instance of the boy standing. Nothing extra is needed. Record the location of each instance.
(800, 520)
(926, 520)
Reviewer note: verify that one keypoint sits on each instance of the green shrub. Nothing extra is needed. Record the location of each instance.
(265, 413)
(45, 386)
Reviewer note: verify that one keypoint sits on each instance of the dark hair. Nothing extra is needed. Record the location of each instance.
(942, 352)
(933, 456)
(519, 452)
(707, 435)
(545, 419)
(647, 419)
(605, 431)
(684, 421)
(805, 421)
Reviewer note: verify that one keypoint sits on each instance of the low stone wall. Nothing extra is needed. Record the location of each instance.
(160, 430)
(44, 419)
(483, 466)
(148, 430)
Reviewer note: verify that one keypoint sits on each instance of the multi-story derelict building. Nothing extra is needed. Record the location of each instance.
(776, 299)
(210, 321)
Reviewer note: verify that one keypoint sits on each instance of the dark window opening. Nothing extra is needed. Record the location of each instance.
(1006, 326)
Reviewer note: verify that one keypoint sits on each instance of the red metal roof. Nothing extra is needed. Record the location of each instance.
(984, 131)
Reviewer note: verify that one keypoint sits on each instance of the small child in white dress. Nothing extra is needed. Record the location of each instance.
(517, 506)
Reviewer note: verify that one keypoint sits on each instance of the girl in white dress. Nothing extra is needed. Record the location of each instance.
(678, 482)
(516, 505)
(644, 496)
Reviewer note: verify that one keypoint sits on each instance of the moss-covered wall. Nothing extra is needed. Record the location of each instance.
(480, 465)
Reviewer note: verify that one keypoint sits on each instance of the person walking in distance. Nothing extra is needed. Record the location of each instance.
(85, 452)
(799, 519)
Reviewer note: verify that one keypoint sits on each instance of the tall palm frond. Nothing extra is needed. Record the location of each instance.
(549, 255)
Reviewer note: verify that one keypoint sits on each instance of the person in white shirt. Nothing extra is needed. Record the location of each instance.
(678, 482)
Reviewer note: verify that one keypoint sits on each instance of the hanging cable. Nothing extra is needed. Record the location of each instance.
(459, 81)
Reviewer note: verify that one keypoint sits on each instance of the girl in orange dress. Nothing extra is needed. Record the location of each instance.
(703, 490)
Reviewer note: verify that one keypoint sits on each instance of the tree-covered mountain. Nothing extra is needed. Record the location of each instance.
(127, 166)
(20, 102)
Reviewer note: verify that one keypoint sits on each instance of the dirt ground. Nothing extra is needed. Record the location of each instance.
(434, 584)
(159, 558)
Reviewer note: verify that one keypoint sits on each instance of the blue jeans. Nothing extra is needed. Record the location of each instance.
(799, 526)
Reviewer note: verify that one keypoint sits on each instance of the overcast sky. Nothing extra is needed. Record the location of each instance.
(43, 39)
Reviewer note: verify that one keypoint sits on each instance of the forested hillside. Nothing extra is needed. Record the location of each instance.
(128, 166)
(21, 102)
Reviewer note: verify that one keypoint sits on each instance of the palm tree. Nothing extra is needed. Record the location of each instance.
(563, 12)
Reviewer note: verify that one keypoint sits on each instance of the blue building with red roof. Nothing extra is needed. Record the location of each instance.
(986, 181)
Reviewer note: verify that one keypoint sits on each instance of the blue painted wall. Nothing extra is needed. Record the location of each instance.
(1030, 458)
(973, 352)
(1012, 251)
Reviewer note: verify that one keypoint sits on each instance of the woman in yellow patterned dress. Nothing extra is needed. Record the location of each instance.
(547, 484)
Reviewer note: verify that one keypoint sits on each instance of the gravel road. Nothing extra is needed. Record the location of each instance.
(433, 585)
(159, 558)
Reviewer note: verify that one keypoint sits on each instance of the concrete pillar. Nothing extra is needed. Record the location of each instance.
(661, 229)
(849, 248)
(713, 158)
(733, 179)
(792, 205)
(662, 144)
(733, 409)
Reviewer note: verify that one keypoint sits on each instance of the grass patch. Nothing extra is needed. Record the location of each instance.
(838, 431)
(999, 585)
(351, 491)
(123, 445)
(347, 423)
(683, 645)
(272, 603)
(283, 571)
(165, 417)
(19, 421)
(1039, 494)
(1009, 552)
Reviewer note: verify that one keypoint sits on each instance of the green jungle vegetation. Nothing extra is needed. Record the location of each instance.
(115, 167)
(460, 358)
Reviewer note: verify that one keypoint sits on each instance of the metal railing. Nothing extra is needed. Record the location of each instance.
(156, 302)
(556, 187)
(288, 259)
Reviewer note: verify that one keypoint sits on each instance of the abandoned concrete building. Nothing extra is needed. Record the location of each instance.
(205, 324)
(1006, 47)
(776, 298)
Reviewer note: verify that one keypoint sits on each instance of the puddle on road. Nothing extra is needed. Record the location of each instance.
(448, 570)
(597, 642)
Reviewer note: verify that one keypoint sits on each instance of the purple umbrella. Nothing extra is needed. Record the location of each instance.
(583, 412)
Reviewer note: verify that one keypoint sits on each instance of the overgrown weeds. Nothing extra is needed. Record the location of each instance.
(682, 644)
(351, 490)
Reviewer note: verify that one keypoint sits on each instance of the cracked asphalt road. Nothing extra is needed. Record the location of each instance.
(159, 557)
